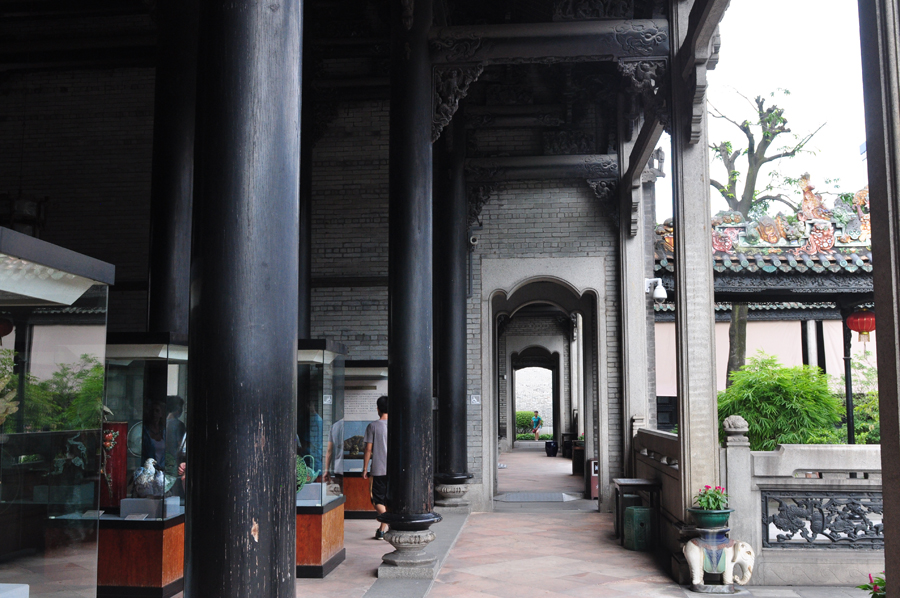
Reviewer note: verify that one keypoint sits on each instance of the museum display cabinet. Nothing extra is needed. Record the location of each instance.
(365, 381)
(320, 455)
(53, 307)
(141, 538)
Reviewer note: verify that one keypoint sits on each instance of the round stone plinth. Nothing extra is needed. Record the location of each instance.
(451, 495)
(409, 549)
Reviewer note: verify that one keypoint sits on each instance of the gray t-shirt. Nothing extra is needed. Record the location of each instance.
(376, 433)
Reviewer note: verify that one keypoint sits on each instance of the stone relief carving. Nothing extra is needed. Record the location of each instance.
(407, 13)
(457, 48)
(703, 64)
(640, 39)
(601, 167)
(558, 143)
(450, 86)
(823, 520)
(605, 191)
(479, 195)
(579, 10)
(798, 283)
(648, 81)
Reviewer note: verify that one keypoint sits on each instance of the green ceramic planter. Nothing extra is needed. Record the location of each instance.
(709, 519)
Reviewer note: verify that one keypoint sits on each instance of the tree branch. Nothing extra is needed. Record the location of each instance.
(793, 152)
(780, 198)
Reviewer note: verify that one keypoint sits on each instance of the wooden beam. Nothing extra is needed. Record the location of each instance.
(580, 41)
(630, 188)
(521, 168)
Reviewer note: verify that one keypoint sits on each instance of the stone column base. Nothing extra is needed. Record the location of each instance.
(409, 559)
(451, 495)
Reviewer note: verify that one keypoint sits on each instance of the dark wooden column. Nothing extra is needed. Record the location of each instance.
(171, 188)
(451, 247)
(879, 26)
(307, 142)
(410, 453)
(241, 516)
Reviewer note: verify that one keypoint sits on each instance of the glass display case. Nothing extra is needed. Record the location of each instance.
(146, 393)
(53, 307)
(320, 422)
(365, 381)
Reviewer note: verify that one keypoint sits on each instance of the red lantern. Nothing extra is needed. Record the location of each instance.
(863, 322)
(6, 326)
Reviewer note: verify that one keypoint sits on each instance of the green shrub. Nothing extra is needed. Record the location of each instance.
(523, 422)
(783, 405)
(531, 437)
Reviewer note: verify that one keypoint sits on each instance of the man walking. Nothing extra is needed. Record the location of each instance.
(376, 450)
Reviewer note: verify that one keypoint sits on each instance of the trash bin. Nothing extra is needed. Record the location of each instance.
(552, 447)
(637, 528)
(567, 449)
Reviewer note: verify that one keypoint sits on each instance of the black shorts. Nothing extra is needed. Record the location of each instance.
(379, 489)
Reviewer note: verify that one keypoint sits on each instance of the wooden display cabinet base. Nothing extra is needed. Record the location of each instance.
(359, 499)
(320, 539)
(140, 559)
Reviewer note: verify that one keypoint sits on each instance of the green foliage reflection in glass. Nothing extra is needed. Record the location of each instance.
(71, 399)
(783, 405)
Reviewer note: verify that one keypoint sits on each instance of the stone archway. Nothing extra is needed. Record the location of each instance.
(560, 398)
(570, 286)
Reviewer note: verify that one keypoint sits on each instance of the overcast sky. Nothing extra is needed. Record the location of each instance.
(813, 52)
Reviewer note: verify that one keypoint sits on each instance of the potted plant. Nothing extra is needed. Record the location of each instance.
(712, 507)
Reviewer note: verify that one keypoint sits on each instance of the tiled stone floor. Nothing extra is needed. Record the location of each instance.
(535, 550)
(546, 554)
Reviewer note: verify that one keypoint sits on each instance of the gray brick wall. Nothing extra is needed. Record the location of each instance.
(83, 138)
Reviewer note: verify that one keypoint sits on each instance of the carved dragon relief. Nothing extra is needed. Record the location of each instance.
(605, 191)
(451, 84)
(457, 48)
(603, 168)
(640, 39)
(407, 13)
(479, 195)
(648, 81)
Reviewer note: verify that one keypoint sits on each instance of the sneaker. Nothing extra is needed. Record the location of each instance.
(379, 535)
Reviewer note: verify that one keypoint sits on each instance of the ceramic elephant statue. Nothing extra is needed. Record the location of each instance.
(732, 553)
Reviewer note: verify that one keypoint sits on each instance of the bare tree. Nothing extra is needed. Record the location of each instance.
(753, 198)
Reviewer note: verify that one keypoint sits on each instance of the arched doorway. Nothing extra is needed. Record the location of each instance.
(540, 391)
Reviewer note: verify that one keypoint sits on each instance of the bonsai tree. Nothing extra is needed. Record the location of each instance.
(782, 405)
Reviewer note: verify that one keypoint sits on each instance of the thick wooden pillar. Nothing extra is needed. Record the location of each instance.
(307, 142)
(171, 189)
(451, 253)
(410, 332)
(879, 25)
(241, 514)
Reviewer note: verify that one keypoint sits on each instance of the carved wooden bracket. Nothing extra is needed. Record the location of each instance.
(479, 195)
(648, 81)
(706, 62)
(407, 13)
(605, 190)
(451, 84)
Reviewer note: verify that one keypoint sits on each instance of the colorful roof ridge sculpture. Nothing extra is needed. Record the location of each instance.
(815, 239)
